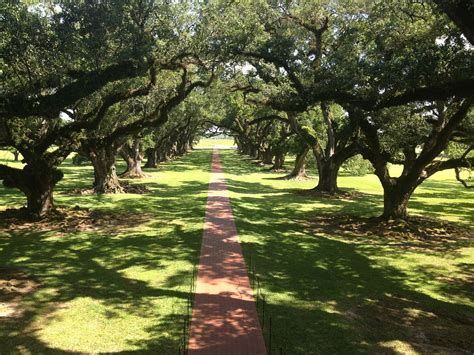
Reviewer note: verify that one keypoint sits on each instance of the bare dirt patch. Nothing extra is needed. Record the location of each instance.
(295, 178)
(70, 220)
(428, 329)
(420, 230)
(127, 188)
(14, 285)
(338, 195)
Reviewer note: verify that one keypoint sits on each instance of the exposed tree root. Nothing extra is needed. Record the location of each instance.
(279, 170)
(419, 229)
(295, 177)
(338, 194)
(69, 220)
(125, 187)
(14, 285)
(133, 175)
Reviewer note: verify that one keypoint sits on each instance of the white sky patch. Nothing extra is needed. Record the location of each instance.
(245, 68)
(440, 41)
(65, 117)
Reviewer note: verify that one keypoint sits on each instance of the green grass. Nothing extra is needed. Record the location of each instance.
(206, 143)
(332, 294)
(124, 290)
(114, 289)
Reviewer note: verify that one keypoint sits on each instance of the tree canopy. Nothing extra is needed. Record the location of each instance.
(390, 81)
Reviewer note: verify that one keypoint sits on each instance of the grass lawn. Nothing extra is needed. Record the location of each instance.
(334, 294)
(120, 286)
(207, 143)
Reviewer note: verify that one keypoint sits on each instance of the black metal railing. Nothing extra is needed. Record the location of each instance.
(183, 344)
(262, 308)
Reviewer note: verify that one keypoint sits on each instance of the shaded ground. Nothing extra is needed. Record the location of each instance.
(340, 285)
(126, 186)
(335, 286)
(112, 275)
(71, 220)
(14, 285)
(426, 232)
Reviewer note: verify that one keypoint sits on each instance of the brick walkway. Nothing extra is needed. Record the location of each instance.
(224, 319)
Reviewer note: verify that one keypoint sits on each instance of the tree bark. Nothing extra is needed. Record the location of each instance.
(328, 172)
(151, 158)
(16, 154)
(131, 155)
(105, 176)
(267, 157)
(36, 180)
(299, 169)
(279, 163)
(395, 199)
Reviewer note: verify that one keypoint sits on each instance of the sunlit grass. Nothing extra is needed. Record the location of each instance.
(124, 290)
(206, 143)
(111, 290)
(332, 294)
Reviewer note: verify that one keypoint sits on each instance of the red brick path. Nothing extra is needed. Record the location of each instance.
(224, 319)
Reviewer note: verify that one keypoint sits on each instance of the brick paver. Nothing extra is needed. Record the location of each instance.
(224, 319)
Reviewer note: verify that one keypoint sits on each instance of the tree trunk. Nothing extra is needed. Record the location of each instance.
(16, 154)
(395, 199)
(299, 169)
(132, 157)
(36, 180)
(39, 195)
(328, 171)
(267, 157)
(105, 175)
(246, 149)
(134, 169)
(279, 163)
(164, 155)
(253, 151)
(151, 158)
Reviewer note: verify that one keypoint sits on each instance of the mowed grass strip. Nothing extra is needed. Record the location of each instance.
(121, 286)
(334, 294)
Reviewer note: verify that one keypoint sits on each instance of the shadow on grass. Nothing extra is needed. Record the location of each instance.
(96, 265)
(327, 295)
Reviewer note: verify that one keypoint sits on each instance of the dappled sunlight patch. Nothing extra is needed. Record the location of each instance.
(397, 347)
(103, 328)
(14, 286)
(347, 195)
(71, 220)
(126, 187)
(339, 288)
(115, 271)
(423, 231)
(416, 326)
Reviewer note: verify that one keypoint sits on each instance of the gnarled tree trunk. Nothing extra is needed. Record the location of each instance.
(328, 172)
(267, 156)
(397, 193)
(279, 163)
(105, 175)
(36, 180)
(131, 155)
(299, 169)
(151, 158)
(395, 204)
